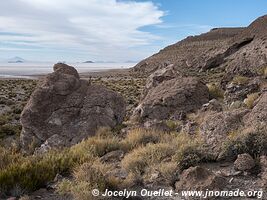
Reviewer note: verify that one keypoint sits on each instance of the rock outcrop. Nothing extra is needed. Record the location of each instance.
(159, 76)
(199, 178)
(66, 107)
(258, 115)
(216, 127)
(244, 162)
(171, 97)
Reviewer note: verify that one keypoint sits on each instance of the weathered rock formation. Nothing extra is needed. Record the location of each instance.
(216, 127)
(199, 178)
(170, 98)
(68, 109)
(244, 162)
(258, 115)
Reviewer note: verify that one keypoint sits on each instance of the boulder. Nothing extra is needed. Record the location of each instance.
(216, 127)
(113, 156)
(258, 115)
(172, 97)
(244, 162)
(199, 178)
(239, 92)
(66, 107)
(263, 174)
(212, 105)
(160, 76)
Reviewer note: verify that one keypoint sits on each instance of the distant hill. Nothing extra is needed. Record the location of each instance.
(131, 61)
(16, 60)
(89, 61)
(233, 50)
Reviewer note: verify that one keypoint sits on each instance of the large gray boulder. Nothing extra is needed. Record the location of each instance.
(172, 97)
(66, 107)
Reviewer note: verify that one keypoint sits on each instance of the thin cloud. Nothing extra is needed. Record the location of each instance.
(85, 25)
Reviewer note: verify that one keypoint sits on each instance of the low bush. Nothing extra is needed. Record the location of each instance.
(8, 129)
(240, 80)
(142, 157)
(88, 176)
(251, 98)
(252, 141)
(177, 147)
(169, 171)
(139, 137)
(216, 92)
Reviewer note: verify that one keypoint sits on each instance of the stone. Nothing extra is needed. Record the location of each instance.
(190, 128)
(64, 106)
(55, 141)
(172, 97)
(244, 162)
(258, 115)
(199, 178)
(212, 105)
(160, 76)
(216, 127)
(237, 105)
(239, 92)
(113, 156)
(263, 174)
(157, 125)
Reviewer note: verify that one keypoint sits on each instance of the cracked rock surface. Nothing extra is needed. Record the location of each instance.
(66, 107)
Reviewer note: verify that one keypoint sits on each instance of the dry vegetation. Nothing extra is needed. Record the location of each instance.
(215, 91)
(145, 151)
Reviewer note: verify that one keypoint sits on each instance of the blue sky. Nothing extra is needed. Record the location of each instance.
(56, 30)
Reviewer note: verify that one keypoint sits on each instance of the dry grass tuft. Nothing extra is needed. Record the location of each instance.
(215, 91)
(250, 100)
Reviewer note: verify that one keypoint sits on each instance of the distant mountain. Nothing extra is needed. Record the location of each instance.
(16, 60)
(131, 61)
(89, 61)
(100, 61)
(234, 50)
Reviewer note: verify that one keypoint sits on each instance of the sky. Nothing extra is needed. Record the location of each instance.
(111, 30)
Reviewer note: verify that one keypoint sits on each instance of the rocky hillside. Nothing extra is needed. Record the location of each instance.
(234, 50)
(200, 124)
